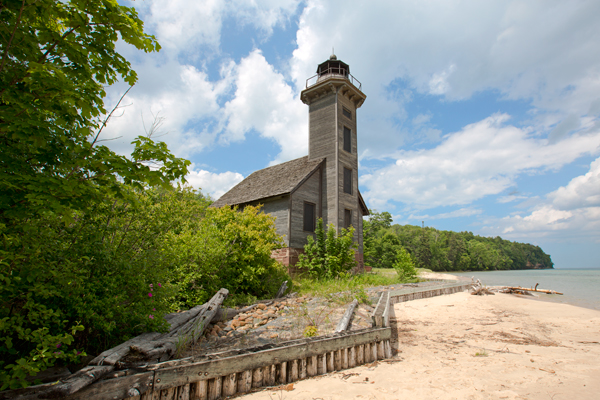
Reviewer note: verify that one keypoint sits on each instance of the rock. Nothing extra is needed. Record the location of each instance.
(261, 306)
(258, 312)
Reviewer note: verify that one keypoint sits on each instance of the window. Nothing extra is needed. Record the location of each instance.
(347, 181)
(347, 218)
(347, 113)
(347, 140)
(309, 217)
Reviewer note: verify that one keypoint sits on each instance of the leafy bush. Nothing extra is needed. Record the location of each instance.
(329, 255)
(404, 265)
(227, 248)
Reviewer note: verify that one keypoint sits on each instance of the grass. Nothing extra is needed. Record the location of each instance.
(345, 288)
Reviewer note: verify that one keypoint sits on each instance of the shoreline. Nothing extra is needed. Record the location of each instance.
(461, 346)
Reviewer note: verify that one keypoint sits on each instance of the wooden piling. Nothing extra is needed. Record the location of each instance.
(230, 385)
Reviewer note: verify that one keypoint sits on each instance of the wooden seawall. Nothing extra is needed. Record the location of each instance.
(218, 375)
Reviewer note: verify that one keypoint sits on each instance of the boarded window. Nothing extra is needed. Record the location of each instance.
(347, 113)
(347, 218)
(347, 181)
(309, 217)
(347, 140)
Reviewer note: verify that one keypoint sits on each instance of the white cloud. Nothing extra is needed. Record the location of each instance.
(482, 159)
(462, 212)
(542, 52)
(263, 101)
(571, 211)
(215, 184)
(582, 191)
(183, 26)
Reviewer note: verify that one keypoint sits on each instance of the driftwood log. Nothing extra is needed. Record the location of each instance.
(163, 347)
(345, 321)
(281, 290)
(532, 290)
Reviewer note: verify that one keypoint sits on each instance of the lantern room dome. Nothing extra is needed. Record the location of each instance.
(332, 67)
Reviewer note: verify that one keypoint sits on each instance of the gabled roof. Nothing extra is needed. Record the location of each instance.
(268, 182)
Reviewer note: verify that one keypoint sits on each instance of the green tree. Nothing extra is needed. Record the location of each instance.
(56, 58)
(404, 266)
(328, 255)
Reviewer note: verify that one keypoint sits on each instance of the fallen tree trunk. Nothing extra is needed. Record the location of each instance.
(532, 290)
(164, 346)
(343, 324)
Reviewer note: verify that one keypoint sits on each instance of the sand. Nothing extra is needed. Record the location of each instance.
(474, 347)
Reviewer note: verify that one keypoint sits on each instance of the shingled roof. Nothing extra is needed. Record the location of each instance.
(268, 182)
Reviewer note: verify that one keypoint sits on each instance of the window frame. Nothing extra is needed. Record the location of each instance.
(347, 113)
(347, 144)
(347, 221)
(314, 217)
(348, 189)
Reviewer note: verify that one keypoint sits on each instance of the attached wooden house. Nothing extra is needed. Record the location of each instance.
(323, 184)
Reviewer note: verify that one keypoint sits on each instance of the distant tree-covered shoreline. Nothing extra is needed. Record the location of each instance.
(446, 250)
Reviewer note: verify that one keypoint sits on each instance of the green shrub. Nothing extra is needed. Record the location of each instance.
(404, 265)
(329, 255)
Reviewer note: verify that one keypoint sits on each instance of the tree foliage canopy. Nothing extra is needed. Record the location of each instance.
(445, 250)
(56, 60)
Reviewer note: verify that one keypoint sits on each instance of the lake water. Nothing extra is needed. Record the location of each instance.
(581, 287)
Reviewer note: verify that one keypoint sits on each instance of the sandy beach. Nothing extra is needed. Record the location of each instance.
(474, 347)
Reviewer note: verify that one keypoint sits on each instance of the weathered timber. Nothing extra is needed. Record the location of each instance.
(383, 305)
(257, 376)
(180, 375)
(214, 388)
(533, 290)
(352, 354)
(118, 388)
(281, 290)
(303, 368)
(282, 373)
(244, 381)
(230, 385)
(64, 388)
(345, 320)
(163, 347)
(199, 390)
(402, 295)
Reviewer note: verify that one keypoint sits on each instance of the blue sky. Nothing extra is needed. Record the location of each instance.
(480, 116)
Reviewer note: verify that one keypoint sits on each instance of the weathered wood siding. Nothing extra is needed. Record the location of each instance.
(309, 192)
(321, 144)
(277, 208)
(350, 161)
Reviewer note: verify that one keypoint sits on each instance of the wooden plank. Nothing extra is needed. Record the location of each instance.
(183, 393)
(352, 357)
(244, 381)
(282, 373)
(199, 390)
(345, 358)
(214, 388)
(330, 362)
(302, 366)
(272, 380)
(181, 375)
(311, 367)
(374, 351)
(360, 354)
(168, 394)
(386, 311)
(380, 350)
(115, 388)
(366, 353)
(292, 371)
(257, 376)
(230, 385)
(345, 320)
(388, 349)
(321, 364)
(337, 360)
